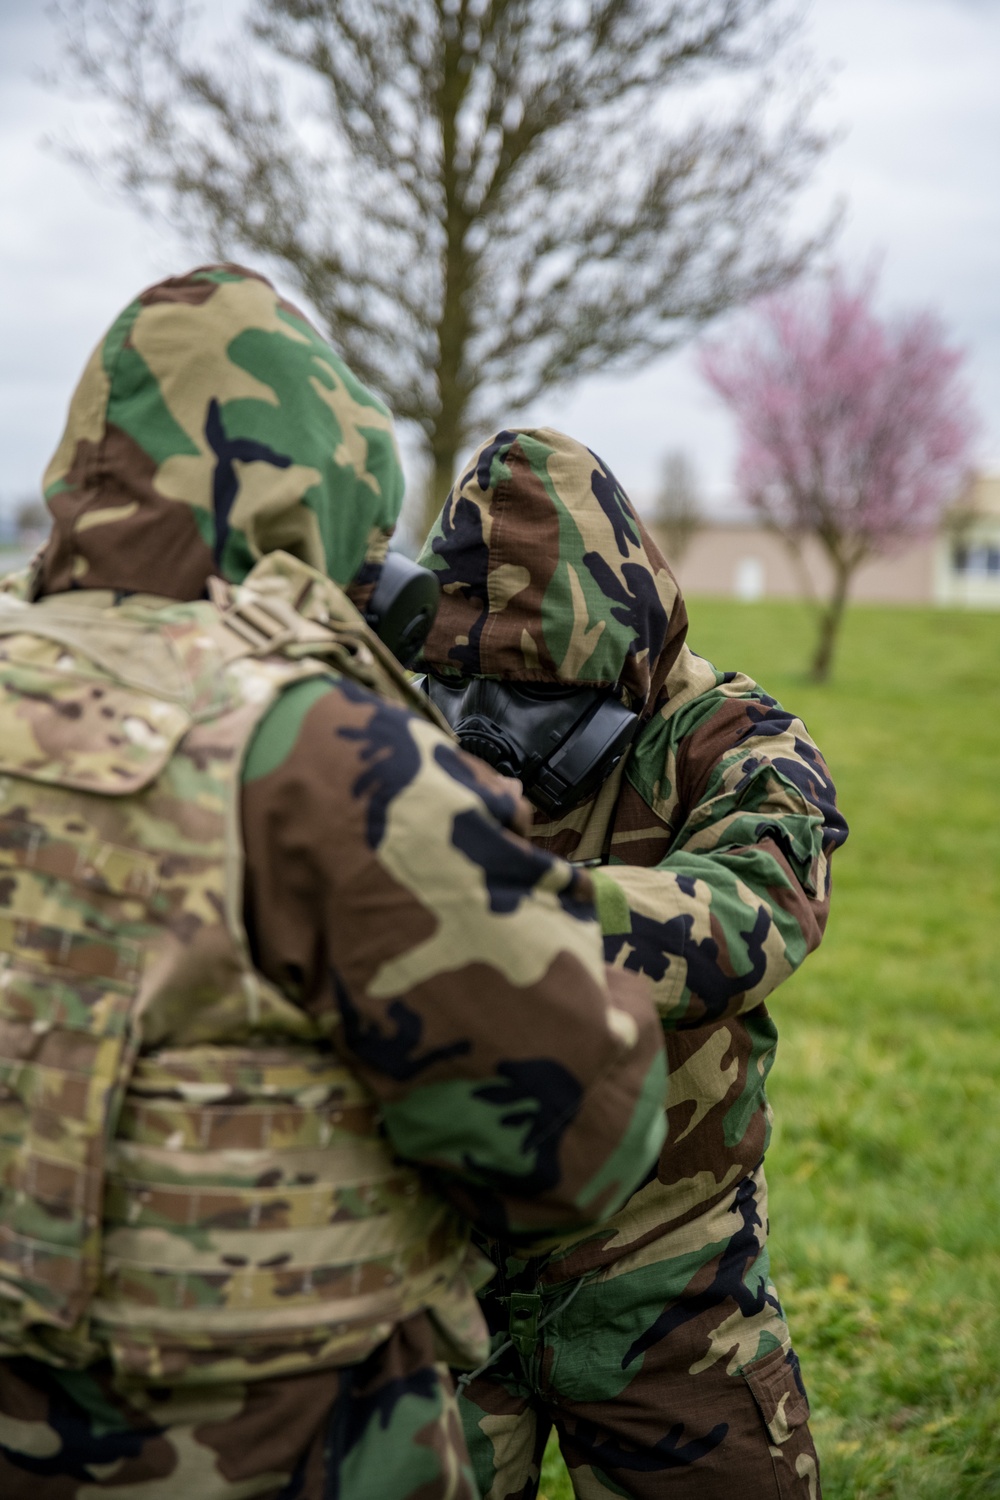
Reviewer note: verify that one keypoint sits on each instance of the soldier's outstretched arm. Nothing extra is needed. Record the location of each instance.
(461, 970)
(743, 893)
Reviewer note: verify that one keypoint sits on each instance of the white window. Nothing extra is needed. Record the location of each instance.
(980, 560)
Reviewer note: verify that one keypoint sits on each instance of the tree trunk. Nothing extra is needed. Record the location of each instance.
(439, 481)
(453, 325)
(830, 620)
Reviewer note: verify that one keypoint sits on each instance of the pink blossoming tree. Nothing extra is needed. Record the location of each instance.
(853, 430)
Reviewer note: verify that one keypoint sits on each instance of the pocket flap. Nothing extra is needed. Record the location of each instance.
(87, 733)
(777, 1388)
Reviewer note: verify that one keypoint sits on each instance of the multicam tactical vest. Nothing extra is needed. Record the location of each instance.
(190, 1180)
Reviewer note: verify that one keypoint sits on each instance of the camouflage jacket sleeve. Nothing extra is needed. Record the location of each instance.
(458, 968)
(743, 893)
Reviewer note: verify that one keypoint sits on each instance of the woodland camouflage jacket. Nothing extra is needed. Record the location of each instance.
(455, 968)
(716, 831)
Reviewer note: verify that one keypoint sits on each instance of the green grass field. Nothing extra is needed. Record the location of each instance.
(885, 1166)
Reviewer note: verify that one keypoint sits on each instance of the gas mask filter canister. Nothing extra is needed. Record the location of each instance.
(403, 605)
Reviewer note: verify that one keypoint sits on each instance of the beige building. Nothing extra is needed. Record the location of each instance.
(958, 566)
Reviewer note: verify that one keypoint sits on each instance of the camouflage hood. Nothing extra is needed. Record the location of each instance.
(548, 575)
(211, 425)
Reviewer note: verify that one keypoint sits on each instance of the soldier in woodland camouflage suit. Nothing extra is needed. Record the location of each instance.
(656, 1344)
(266, 939)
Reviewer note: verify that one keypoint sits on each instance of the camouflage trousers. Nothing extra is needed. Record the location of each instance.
(669, 1374)
(386, 1429)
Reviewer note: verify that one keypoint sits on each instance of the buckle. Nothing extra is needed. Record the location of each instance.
(266, 624)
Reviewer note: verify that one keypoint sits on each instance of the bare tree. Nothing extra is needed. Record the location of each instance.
(679, 512)
(482, 199)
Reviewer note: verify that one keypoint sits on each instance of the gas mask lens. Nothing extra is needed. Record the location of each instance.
(560, 742)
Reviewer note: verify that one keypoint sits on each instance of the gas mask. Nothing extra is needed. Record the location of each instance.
(560, 742)
(402, 607)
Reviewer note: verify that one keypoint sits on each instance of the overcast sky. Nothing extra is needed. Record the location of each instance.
(914, 90)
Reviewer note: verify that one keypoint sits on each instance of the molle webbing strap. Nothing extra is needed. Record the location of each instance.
(70, 970)
(251, 1198)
